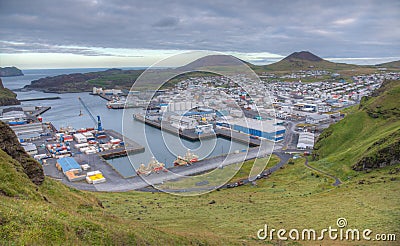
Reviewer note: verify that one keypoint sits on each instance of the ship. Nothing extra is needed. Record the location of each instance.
(143, 170)
(17, 122)
(153, 166)
(180, 161)
(188, 159)
(156, 166)
(191, 157)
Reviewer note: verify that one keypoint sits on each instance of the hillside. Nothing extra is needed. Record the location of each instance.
(368, 137)
(123, 79)
(7, 97)
(40, 211)
(305, 60)
(390, 65)
(293, 197)
(10, 71)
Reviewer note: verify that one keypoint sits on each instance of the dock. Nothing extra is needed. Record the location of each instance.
(38, 99)
(130, 147)
(185, 134)
(192, 136)
(40, 111)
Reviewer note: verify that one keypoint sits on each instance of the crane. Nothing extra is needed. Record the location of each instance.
(98, 121)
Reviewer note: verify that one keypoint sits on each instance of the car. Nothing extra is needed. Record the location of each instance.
(230, 186)
(240, 182)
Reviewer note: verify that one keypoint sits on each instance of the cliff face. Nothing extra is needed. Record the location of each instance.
(10, 144)
(7, 97)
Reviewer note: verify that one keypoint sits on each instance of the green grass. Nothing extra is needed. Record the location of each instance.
(343, 144)
(293, 197)
(231, 173)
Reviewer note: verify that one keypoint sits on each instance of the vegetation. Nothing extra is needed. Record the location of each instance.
(357, 141)
(7, 97)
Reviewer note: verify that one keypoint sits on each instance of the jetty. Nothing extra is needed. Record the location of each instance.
(192, 136)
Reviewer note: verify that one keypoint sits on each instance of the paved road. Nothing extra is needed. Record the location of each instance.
(337, 180)
(137, 182)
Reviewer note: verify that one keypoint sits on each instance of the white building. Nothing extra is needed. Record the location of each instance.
(183, 122)
(306, 140)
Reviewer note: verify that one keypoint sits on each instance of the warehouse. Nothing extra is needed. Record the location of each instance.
(261, 128)
(306, 140)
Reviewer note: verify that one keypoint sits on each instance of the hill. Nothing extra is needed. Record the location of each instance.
(305, 60)
(35, 210)
(367, 138)
(123, 79)
(389, 65)
(7, 97)
(10, 71)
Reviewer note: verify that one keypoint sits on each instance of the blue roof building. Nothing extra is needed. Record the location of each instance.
(68, 164)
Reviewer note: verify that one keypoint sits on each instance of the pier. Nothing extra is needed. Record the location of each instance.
(192, 136)
(130, 147)
(38, 99)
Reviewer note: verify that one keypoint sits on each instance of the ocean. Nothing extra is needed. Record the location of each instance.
(65, 112)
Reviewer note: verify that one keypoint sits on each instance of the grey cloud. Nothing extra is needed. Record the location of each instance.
(328, 28)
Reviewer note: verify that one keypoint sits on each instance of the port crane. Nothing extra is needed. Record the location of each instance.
(98, 121)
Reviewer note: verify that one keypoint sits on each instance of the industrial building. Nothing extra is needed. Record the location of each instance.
(306, 140)
(261, 128)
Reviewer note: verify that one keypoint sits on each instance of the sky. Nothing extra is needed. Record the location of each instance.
(123, 33)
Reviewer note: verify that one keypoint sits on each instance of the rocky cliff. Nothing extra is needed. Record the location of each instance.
(7, 97)
(10, 144)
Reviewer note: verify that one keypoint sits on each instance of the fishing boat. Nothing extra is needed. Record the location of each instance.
(155, 166)
(191, 157)
(143, 170)
(180, 161)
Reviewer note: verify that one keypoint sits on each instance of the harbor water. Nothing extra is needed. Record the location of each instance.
(66, 112)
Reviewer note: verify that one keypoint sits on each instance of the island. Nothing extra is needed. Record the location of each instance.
(10, 71)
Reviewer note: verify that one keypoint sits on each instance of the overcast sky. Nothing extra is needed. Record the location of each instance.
(96, 33)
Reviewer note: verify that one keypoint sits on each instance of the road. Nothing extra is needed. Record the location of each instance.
(337, 180)
(137, 182)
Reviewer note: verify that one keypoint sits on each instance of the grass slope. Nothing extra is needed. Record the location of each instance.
(53, 214)
(366, 130)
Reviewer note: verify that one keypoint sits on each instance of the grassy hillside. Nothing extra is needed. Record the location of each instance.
(53, 214)
(368, 137)
(7, 97)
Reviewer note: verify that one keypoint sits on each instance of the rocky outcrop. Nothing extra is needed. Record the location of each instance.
(383, 156)
(9, 143)
(10, 71)
(7, 97)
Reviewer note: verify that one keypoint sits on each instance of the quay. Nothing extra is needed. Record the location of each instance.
(192, 136)
(38, 99)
